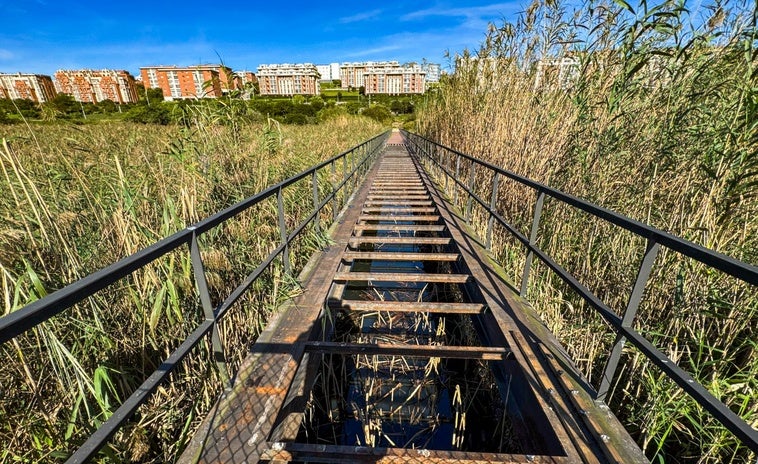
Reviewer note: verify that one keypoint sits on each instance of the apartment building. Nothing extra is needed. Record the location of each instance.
(92, 86)
(556, 73)
(288, 79)
(35, 87)
(245, 77)
(329, 72)
(189, 82)
(352, 73)
(394, 80)
(432, 71)
(388, 77)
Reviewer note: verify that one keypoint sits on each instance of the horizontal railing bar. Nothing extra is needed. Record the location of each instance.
(104, 433)
(43, 309)
(399, 240)
(720, 261)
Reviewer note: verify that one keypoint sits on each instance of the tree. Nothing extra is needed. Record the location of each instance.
(337, 82)
(107, 106)
(361, 90)
(298, 99)
(339, 96)
(316, 102)
(153, 114)
(379, 113)
(65, 105)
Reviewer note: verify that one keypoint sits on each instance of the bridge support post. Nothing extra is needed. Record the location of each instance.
(532, 240)
(335, 209)
(651, 252)
(283, 231)
(217, 347)
(316, 202)
(493, 203)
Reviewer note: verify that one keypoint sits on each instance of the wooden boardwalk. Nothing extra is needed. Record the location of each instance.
(407, 346)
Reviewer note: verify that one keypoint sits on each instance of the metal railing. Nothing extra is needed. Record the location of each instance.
(359, 159)
(441, 158)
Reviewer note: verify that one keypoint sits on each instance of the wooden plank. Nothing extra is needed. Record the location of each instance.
(355, 241)
(303, 452)
(397, 227)
(394, 217)
(408, 306)
(395, 256)
(400, 277)
(486, 353)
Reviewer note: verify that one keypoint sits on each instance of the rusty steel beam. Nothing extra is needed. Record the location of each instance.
(400, 277)
(408, 306)
(393, 217)
(414, 227)
(394, 256)
(486, 353)
(355, 241)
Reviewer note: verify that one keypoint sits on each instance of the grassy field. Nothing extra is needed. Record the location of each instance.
(74, 198)
(658, 122)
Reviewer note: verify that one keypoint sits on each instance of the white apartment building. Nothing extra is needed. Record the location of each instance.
(329, 72)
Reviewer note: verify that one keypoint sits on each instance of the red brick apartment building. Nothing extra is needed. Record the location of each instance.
(288, 79)
(35, 87)
(92, 86)
(202, 81)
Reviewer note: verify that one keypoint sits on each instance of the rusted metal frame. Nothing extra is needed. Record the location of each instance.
(730, 420)
(335, 209)
(399, 202)
(400, 277)
(217, 348)
(643, 274)
(401, 210)
(105, 432)
(486, 353)
(408, 306)
(457, 176)
(287, 451)
(401, 227)
(493, 205)
(470, 200)
(735, 268)
(532, 240)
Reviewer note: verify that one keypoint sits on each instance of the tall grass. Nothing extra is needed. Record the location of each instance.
(76, 198)
(659, 121)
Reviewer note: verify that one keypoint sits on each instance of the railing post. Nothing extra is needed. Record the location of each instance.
(532, 240)
(457, 176)
(471, 180)
(646, 266)
(493, 203)
(316, 218)
(283, 231)
(205, 299)
(335, 210)
(344, 176)
(447, 168)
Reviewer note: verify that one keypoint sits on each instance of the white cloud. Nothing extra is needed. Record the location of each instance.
(469, 12)
(374, 51)
(6, 54)
(360, 16)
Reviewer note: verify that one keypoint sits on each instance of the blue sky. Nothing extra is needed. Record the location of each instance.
(40, 36)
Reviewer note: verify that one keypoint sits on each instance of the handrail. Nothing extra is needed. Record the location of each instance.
(28, 317)
(621, 325)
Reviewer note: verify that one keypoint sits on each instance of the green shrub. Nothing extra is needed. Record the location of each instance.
(378, 113)
(153, 114)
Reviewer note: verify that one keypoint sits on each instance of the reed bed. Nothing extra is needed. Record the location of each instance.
(655, 119)
(76, 198)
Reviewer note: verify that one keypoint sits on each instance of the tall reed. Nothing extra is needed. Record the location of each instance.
(76, 198)
(656, 120)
